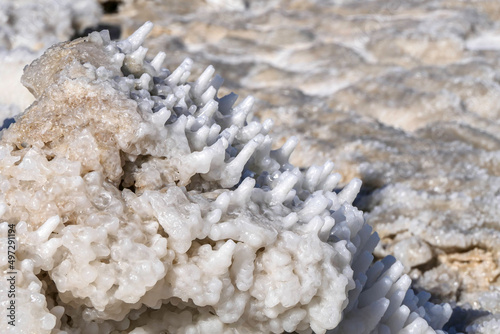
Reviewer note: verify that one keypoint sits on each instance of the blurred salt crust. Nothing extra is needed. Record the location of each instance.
(29, 27)
(402, 94)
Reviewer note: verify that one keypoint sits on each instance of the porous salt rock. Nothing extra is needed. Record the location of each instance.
(145, 203)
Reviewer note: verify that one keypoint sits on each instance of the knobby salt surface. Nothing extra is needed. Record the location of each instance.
(145, 203)
(402, 95)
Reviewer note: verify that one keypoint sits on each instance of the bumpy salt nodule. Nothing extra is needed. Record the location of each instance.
(143, 202)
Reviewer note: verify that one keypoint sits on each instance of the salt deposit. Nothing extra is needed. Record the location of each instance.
(145, 203)
(403, 95)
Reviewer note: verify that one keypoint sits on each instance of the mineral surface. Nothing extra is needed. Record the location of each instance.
(144, 203)
(400, 94)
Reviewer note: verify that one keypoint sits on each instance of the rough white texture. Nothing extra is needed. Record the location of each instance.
(146, 203)
(417, 119)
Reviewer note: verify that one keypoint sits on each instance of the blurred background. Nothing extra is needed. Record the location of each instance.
(404, 95)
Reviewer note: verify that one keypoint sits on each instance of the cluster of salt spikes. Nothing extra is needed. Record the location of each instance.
(248, 242)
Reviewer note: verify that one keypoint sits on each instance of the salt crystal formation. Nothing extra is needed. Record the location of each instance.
(144, 203)
(401, 94)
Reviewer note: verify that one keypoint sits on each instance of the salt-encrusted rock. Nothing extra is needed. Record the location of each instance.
(145, 203)
(402, 95)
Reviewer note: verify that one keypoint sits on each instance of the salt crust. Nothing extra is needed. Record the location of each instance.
(145, 203)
